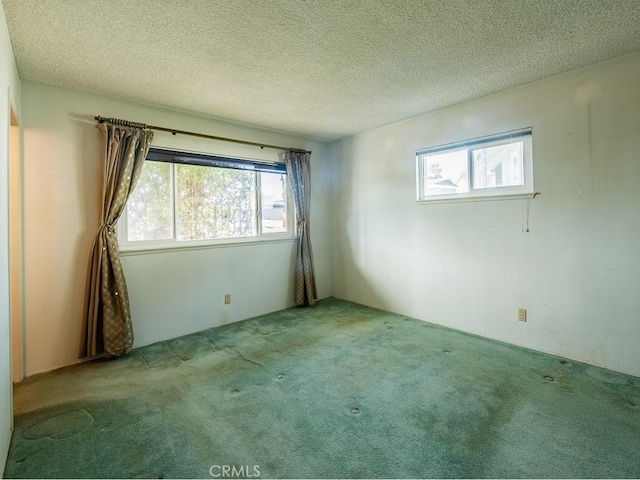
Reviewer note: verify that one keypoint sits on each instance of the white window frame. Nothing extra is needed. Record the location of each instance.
(126, 245)
(478, 194)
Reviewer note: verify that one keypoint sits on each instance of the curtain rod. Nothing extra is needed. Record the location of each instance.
(126, 123)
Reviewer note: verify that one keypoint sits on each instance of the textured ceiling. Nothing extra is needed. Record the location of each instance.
(325, 68)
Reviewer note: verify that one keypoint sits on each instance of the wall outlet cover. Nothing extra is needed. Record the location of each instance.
(522, 315)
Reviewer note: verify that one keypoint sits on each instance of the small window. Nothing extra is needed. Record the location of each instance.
(184, 198)
(496, 166)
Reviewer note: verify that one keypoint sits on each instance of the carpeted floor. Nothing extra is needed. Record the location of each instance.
(338, 390)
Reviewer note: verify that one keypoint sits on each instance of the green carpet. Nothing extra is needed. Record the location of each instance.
(338, 390)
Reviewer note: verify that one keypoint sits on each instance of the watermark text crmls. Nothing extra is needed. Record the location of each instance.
(235, 471)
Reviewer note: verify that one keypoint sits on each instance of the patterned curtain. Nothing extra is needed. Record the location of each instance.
(299, 174)
(107, 325)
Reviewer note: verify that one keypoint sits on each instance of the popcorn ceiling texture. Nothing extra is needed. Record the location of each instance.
(324, 68)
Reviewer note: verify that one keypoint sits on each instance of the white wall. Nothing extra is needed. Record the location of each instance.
(171, 293)
(9, 95)
(467, 265)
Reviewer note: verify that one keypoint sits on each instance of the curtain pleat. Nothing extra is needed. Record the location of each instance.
(299, 174)
(107, 326)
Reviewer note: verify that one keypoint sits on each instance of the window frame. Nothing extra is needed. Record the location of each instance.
(252, 165)
(480, 194)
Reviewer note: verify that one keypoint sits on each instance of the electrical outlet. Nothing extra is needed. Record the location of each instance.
(522, 315)
(227, 298)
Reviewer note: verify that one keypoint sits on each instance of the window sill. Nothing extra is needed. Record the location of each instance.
(485, 198)
(176, 247)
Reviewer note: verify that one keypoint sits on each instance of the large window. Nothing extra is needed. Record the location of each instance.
(186, 199)
(496, 166)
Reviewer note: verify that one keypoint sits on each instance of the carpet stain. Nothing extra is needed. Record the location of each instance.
(349, 322)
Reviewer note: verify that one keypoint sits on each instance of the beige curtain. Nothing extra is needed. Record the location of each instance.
(107, 324)
(299, 174)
